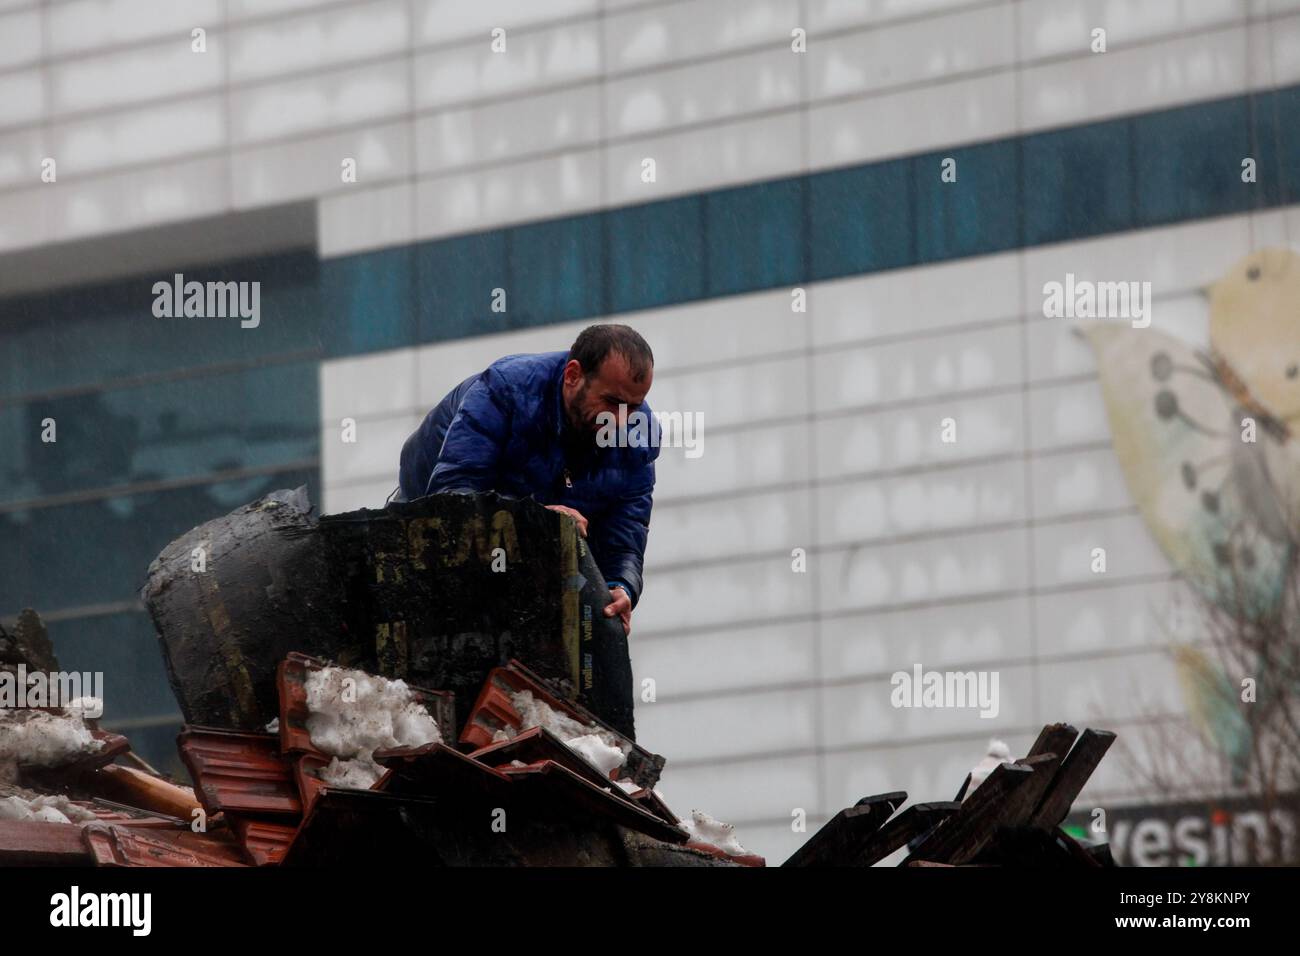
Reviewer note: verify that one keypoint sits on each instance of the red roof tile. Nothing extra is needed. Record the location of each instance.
(239, 771)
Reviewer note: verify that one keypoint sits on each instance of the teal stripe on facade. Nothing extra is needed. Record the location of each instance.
(1113, 176)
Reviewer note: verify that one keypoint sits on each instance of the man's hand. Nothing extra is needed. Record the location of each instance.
(576, 516)
(622, 606)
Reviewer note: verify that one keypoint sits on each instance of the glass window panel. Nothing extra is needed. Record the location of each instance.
(1078, 182)
(94, 334)
(656, 254)
(252, 418)
(456, 278)
(369, 301)
(755, 237)
(125, 649)
(557, 271)
(1188, 162)
(978, 213)
(97, 552)
(860, 220)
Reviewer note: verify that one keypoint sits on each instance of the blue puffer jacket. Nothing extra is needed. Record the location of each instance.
(501, 430)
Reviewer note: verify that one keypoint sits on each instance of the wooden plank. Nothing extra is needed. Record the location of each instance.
(1054, 739)
(965, 785)
(841, 840)
(916, 821)
(1074, 773)
(1022, 804)
(964, 834)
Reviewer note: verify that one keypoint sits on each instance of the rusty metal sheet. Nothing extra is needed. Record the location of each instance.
(493, 711)
(241, 772)
(32, 843)
(121, 846)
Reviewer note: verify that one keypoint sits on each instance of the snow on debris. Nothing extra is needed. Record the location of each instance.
(704, 829)
(36, 738)
(600, 747)
(25, 805)
(351, 714)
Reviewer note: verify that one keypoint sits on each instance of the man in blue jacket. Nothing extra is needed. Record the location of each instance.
(532, 425)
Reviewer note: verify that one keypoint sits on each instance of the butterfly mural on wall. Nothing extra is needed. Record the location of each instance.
(1207, 443)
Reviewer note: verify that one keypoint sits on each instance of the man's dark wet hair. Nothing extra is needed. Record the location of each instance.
(595, 342)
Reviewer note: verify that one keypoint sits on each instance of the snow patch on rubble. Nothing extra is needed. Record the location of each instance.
(600, 747)
(46, 809)
(351, 714)
(35, 738)
(998, 753)
(84, 707)
(704, 829)
(597, 752)
(359, 773)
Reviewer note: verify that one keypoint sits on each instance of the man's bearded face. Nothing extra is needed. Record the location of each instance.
(610, 390)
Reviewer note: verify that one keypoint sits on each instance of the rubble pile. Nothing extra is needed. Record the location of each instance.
(356, 768)
(360, 769)
(1006, 813)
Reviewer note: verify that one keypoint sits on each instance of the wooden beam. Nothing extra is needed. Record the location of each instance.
(841, 840)
(1054, 739)
(917, 820)
(1021, 805)
(1074, 773)
(966, 832)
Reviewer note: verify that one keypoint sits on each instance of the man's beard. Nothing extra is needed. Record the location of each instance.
(582, 431)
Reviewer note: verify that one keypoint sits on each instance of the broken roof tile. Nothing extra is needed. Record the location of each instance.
(121, 846)
(550, 789)
(264, 841)
(239, 771)
(493, 711)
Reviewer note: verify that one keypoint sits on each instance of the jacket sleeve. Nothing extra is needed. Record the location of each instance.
(476, 439)
(618, 540)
